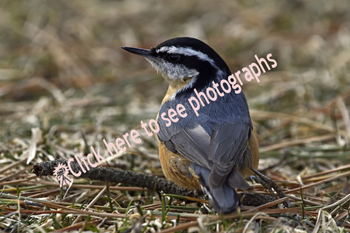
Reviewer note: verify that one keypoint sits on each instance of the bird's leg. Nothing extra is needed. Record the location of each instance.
(269, 185)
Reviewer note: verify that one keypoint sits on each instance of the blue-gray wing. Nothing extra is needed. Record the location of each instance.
(217, 151)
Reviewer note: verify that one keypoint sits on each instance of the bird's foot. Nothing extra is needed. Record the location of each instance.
(269, 185)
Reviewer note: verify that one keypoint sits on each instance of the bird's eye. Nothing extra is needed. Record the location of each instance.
(174, 57)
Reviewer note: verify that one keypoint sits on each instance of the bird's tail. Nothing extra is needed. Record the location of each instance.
(223, 199)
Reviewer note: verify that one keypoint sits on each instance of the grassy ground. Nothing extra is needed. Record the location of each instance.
(66, 85)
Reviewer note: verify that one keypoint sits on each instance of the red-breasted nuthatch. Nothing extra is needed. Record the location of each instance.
(216, 148)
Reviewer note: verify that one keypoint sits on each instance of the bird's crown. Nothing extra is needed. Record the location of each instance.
(184, 61)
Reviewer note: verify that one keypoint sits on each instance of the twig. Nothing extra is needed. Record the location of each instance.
(141, 180)
(116, 176)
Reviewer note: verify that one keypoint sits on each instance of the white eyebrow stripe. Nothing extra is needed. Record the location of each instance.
(186, 51)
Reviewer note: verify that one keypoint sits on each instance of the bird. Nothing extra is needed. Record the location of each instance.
(215, 150)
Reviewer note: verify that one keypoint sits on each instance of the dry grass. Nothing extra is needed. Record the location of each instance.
(66, 85)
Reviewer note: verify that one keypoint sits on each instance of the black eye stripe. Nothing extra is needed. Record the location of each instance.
(173, 57)
(153, 51)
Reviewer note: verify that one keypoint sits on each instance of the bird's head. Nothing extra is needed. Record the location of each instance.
(185, 62)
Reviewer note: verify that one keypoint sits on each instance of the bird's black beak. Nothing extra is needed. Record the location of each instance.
(137, 51)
